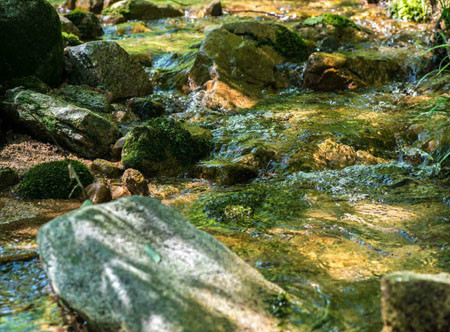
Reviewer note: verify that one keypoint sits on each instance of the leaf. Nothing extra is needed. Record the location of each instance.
(152, 253)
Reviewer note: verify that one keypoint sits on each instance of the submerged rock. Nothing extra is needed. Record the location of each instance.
(88, 24)
(106, 64)
(416, 302)
(136, 265)
(163, 146)
(78, 129)
(31, 41)
(54, 180)
(225, 173)
(141, 10)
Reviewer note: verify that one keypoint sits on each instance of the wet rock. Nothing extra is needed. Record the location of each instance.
(54, 180)
(99, 191)
(116, 150)
(416, 302)
(365, 158)
(31, 41)
(333, 155)
(84, 96)
(106, 168)
(163, 146)
(337, 71)
(214, 9)
(78, 129)
(337, 27)
(140, 10)
(137, 265)
(145, 59)
(8, 178)
(237, 63)
(225, 173)
(67, 26)
(135, 182)
(88, 24)
(107, 64)
(146, 108)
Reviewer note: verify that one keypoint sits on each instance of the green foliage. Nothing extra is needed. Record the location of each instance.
(70, 39)
(409, 10)
(331, 19)
(163, 146)
(52, 180)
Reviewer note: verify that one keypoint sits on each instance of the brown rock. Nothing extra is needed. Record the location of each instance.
(413, 302)
(99, 192)
(334, 155)
(214, 9)
(106, 168)
(135, 183)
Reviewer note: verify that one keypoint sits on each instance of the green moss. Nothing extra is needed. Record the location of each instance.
(290, 44)
(52, 180)
(280, 305)
(162, 146)
(331, 19)
(409, 10)
(88, 23)
(70, 39)
(7, 177)
(50, 122)
(258, 205)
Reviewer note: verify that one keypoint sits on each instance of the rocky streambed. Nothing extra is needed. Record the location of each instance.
(319, 171)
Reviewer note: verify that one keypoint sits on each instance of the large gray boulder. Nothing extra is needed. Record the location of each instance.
(106, 64)
(414, 302)
(78, 129)
(136, 265)
(31, 41)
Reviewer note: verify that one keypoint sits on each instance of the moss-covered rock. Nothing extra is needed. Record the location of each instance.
(84, 96)
(8, 177)
(88, 24)
(225, 173)
(31, 41)
(70, 39)
(331, 19)
(53, 180)
(67, 26)
(162, 146)
(78, 129)
(146, 108)
(141, 10)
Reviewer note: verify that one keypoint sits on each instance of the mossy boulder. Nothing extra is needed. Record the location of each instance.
(239, 62)
(31, 41)
(67, 26)
(8, 177)
(53, 180)
(84, 96)
(163, 146)
(88, 24)
(48, 118)
(141, 10)
(105, 64)
(94, 6)
(331, 19)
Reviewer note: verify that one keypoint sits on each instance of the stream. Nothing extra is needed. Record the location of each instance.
(326, 236)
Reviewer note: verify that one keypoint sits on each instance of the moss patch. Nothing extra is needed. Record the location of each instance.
(331, 19)
(162, 146)
(70, 39)
(52, 180)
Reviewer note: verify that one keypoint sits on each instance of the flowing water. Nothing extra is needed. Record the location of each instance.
(326, 236)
